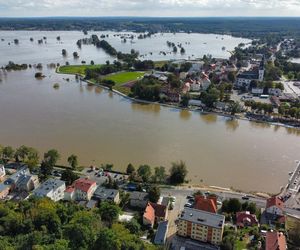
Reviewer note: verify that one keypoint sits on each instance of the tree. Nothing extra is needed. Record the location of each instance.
(46, 170)
(178, 172)
(185, 100)
(69, 176)
(109, 212)
(210, 97)
(107, 240)
(73, 161)
(231, 76)
(130, 169)
(7, 153)
(133, 226)
(234, 108)
(51, 157)
(144, 171)
(159, 174)
(154, 194)
(232, 205)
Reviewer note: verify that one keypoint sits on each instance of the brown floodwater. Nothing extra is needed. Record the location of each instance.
(101, 127)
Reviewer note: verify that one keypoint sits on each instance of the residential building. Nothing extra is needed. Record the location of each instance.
(107, 194)
(208, 204)
(161, 233)
(4, 190)
(81, 190)
(246, 219)
(23, 180)
(256, 74)
(274, 206)
(204, 81)
(244, 79)
(139, 199)
(51, 188)
(257, 91)
(275, 91)
(69, 193)
(201, 225)
(275, 241)
(27, 183)
(154, 213)
(2, 172)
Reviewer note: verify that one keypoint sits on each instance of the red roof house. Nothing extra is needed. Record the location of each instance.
(154, 213)
(275, 206)
(246, 219)
(208, 204)
(84, 188)
(275, 241)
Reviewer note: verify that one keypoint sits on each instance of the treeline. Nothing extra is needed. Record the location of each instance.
(252, 27)
(46, 225)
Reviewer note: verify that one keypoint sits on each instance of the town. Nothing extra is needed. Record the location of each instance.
(257, 83)
(157, 207)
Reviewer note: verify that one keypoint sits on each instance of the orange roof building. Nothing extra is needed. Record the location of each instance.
(275, 241)
(208, 204)
(154, 213)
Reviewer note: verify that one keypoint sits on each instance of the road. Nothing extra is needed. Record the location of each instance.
(181, 194)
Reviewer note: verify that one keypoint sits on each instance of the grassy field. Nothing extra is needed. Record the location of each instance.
(124, 77)
(160, 63)
(76, 69)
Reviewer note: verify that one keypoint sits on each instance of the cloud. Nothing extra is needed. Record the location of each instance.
(149, 7)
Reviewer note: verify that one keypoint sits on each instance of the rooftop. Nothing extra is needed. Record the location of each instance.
(138, 195)
(103, 193)
(84, 184)
(49, 185)
(274, 201)
(208, 204)
(202, 217)
(161, 232)
(275, 241)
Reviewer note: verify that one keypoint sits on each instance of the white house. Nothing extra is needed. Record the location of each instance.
(51, 188)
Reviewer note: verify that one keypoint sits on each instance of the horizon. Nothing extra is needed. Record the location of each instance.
(150, 8)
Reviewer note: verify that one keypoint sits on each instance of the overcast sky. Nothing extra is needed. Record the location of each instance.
(149, 8)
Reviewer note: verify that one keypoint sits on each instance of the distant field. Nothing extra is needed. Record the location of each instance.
(124, 77)
(160, 63)
(76, 69)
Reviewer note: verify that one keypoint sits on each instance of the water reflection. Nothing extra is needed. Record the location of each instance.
(209, 118)
(147, 108)
(185, 114)
(98, 90)
(293, 131)
(232, 124)
(260, 124)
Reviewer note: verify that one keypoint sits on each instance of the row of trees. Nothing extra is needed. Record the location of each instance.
(177, 173)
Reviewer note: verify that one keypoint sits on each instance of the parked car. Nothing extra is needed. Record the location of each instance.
(245, 197)
(190, 197)
(188, 205)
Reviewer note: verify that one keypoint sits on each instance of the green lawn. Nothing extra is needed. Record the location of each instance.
(124, 77)
(160, 63)
(76, 69)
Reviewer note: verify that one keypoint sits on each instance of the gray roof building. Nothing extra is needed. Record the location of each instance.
(106, 194)
(161, 233)
(139, 199)
(202, 217)
(51, 188)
